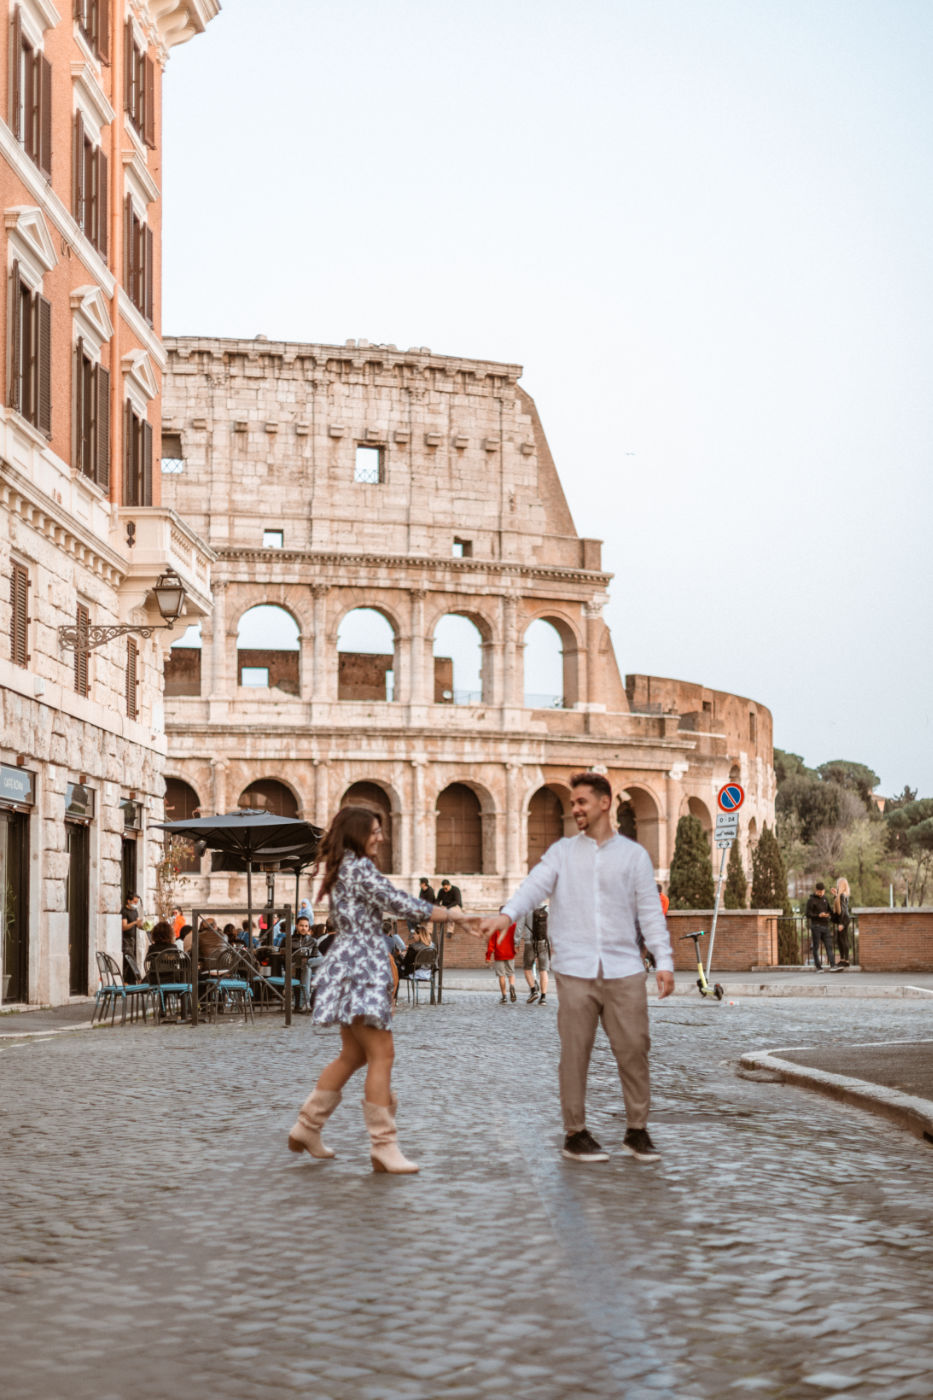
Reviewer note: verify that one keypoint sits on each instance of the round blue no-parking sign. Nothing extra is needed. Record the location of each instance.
(731, 797)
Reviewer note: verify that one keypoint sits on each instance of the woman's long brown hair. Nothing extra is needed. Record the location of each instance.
(349, 831)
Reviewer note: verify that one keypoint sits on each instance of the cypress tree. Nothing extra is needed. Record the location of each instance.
(769, 891)
(691, 884)
(735, 891)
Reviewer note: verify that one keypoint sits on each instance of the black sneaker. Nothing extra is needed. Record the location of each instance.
(533, 994)
(513, 996)
(639, 1144)
(583, 1147)
(542, 999)
(503, 1001)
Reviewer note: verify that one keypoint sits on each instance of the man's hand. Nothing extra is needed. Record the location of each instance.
(665, 983)
(494, 924)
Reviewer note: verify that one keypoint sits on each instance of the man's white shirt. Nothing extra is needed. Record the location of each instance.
(595, 894)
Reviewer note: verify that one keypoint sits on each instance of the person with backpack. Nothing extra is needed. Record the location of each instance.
(536, 953)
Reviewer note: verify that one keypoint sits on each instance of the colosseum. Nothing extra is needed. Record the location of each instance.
(404, 613)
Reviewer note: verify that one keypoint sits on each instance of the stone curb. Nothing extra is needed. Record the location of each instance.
(906, 1110)
(835, 989)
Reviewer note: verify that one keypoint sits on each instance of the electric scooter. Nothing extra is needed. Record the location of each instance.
(705, 989)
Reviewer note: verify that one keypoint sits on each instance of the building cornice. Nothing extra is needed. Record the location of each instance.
(174, 22)
(21, 497)
(354, 352)
(418, 564)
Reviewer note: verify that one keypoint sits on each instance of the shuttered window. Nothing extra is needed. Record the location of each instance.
(30, 96)
(132, 656)
(19, 615)
(139, 89)
(90, 187)
(92, 418)
(30, 374)
(137, 459)
(82, 621)
(137, 260)
(93, 19)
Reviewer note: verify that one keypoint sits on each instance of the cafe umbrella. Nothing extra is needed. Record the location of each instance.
(253, 836)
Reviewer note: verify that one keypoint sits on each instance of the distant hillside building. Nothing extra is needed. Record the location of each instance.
(332, 479)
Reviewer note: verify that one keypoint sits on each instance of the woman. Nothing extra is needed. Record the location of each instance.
(841, 919)
(161, 937)
(354, 987)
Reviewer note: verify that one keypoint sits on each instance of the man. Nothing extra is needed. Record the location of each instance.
(818, 918)
(309, 959)
(532, 929)
(131, 919)
(500, 953)
(449, 897)
(599, 883)
(425, 890)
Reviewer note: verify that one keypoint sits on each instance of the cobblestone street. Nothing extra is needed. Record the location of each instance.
(158, 1239)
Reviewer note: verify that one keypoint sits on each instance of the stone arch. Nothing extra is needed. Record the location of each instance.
(271, 795)
(367, 793)
(543, 659)
(572, 650)
(292, 600)
(638, 816)
(181, 804)
(547, 819)
(696, 807)
(460, 678)
(367, 653)
(181, 664)
(464, 830)
(268, 648)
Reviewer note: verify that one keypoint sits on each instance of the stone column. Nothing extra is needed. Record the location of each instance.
(218, 785)
(591, 680)
(322, 812)
(513, 822)
(323, 668)
(667, 830)
(220, 685)
(513, 687)
(419, 818)
(306, 667)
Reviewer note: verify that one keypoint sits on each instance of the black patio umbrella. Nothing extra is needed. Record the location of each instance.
(250, 835)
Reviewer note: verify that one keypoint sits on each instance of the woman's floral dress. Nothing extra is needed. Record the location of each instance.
(355, 981)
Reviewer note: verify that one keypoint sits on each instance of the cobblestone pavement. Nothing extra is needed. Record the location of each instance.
(157, 1238)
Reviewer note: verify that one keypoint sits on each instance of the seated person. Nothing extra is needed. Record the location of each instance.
(330, 933)
(183, 933)
(310, 959)
(394, 943)
(161, 937)
(210, 940)
(421, 939)
(230, 932)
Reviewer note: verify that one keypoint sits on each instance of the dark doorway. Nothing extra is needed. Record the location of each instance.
(78, 894)
(14, 905)
(459, 847)
(372, 795)
(128, 877)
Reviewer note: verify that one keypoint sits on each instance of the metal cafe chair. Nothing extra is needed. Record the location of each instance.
(169, 972)
(425, 959)
(225, 988)
(114, 988)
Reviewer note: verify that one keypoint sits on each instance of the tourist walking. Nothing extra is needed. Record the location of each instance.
(536, 951)
(599, 884)
(821, 929)
(500, 951)
(841, 919)
(354, 987)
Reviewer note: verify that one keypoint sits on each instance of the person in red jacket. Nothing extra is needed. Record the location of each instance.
(500, 951)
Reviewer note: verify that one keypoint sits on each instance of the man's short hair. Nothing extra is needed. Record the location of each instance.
(597, 781)
(819, 885)
(445, 882)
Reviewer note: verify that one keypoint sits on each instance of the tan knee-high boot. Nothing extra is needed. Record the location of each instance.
(305, 1136)
(384, 1148)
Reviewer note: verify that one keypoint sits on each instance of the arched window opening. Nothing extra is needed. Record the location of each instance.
(544, 666)
(182, 665)
(459, 849)
(267, 648)
(545, 823)
(696, 808)
(181, 804)
(458, 661)
(373, 796)
(366, 647)
(269, 795)
(637, 817)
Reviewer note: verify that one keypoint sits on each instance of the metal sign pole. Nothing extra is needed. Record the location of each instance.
(712, 932)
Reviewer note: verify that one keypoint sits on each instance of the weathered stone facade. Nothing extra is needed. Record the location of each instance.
(82, 533)
(459, 510)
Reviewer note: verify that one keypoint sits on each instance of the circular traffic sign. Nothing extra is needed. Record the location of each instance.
(731, 797)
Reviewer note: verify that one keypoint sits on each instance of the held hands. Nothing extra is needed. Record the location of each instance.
(495, 923)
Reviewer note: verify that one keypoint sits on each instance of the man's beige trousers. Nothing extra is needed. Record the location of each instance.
(621, 1004)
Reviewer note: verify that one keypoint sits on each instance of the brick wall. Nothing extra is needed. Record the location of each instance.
(895, 940)
(744, 939)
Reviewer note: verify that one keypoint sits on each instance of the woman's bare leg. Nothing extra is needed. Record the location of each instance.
(351, 1058)
(378, 1049)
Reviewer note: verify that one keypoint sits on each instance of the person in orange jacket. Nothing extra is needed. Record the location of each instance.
(500, 951)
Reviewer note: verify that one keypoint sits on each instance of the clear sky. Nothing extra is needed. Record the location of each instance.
(705, 229)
